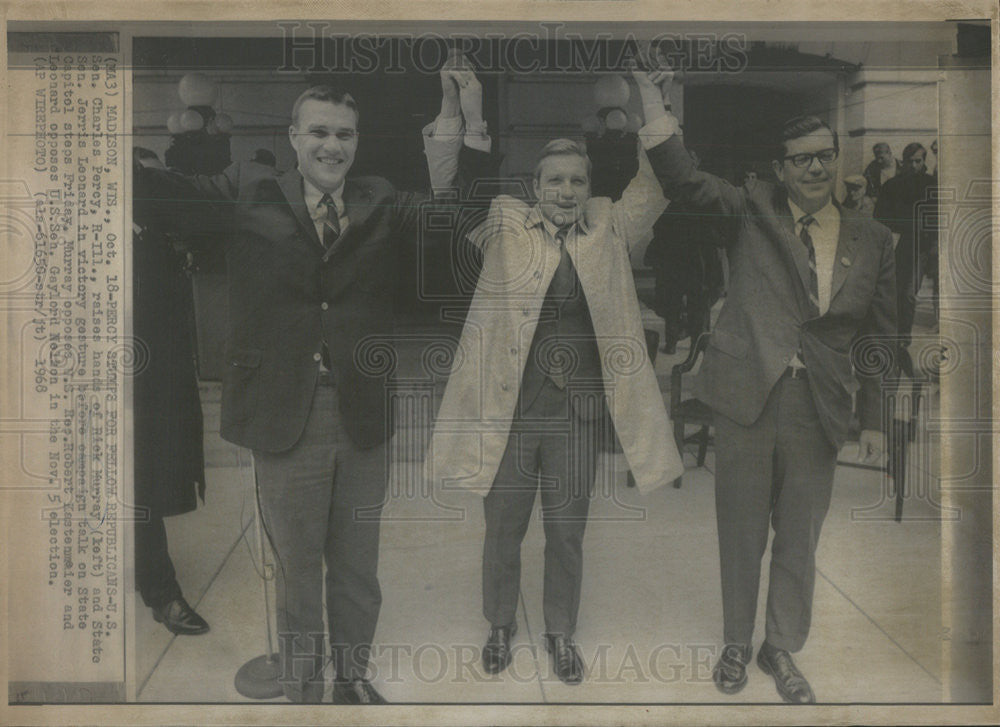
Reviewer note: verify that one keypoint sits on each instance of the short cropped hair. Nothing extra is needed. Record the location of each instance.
(561, 147)
(911, 150)
(880, 145)
(330, 94)
(797, 127)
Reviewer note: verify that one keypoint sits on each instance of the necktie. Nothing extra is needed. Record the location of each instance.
(806, 221)
(561, 288)
(331, 226)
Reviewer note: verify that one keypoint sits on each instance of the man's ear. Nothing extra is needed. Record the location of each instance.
(779, 170)
(293, 137)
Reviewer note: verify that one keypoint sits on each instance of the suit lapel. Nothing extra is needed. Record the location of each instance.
(291, 186)
(798, 255)
(846, 249)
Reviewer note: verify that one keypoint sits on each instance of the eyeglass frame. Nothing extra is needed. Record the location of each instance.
(810, 156)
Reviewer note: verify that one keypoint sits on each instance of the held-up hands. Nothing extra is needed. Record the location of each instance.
(461, 90)
(654, 80)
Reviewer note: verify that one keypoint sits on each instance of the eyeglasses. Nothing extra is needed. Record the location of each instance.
(825, 156)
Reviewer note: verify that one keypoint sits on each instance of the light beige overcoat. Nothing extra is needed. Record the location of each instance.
(473, 423)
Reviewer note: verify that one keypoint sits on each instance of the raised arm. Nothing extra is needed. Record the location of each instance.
(182, 203)
(642, 202)
(459, 130)
(676, 171)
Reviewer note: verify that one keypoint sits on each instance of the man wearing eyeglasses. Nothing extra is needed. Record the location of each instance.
(806, 280)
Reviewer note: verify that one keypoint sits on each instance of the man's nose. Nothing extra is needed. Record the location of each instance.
(815, 166)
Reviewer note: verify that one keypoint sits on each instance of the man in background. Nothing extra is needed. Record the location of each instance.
(907, 207)
(881, 169)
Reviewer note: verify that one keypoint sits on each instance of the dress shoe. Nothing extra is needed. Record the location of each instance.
(792, 686)
(730, 672)
(496, 653)
(356, 691)
(180, 618)
(566, 661)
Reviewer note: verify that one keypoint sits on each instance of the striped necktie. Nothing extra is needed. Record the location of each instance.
(331, 226)
(806, 221)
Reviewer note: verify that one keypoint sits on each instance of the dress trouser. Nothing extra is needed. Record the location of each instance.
(154, 571)
(321, 501)
(548, 444)
(910, 270)
(779, 469)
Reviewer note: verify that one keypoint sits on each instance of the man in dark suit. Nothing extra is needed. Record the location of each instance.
(168, 445)
(311, 258)
(806, 280)
(880, 169)
(907, 207)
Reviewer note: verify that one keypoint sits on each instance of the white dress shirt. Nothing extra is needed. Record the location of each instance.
(824, 232)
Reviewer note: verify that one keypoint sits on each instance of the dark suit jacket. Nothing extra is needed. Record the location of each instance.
(286, 296)
(873, 175)
(766, 315)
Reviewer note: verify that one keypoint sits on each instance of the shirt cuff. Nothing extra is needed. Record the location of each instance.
(447, 126)
(657, 132)
(478, 139)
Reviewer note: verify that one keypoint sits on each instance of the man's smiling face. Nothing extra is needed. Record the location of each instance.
(562, 186)
(325, 138)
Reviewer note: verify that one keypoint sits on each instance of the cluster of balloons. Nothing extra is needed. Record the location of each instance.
(611, 94)
(198, 93)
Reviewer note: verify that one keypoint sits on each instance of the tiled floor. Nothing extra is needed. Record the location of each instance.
(651, 613)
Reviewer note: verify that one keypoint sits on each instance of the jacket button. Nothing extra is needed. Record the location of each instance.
(504, 387)
(513, 350)
(317, 357)
(324, 305)
(537, 275)
(526, 312)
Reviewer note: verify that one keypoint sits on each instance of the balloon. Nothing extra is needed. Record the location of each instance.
(616, 120)
(611, 90)
(197, 89)
(191, 121)
(174, 123)
(634, 122)
(211, 127)
(224, 123)
(591, 125)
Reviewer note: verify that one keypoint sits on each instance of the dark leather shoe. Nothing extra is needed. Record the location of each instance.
(180, 618)
(356, 691)
(730, 671)
(496, 653)
(792, 686)
(566, 661)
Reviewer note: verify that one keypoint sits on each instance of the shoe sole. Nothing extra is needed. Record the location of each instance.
(180, 632)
